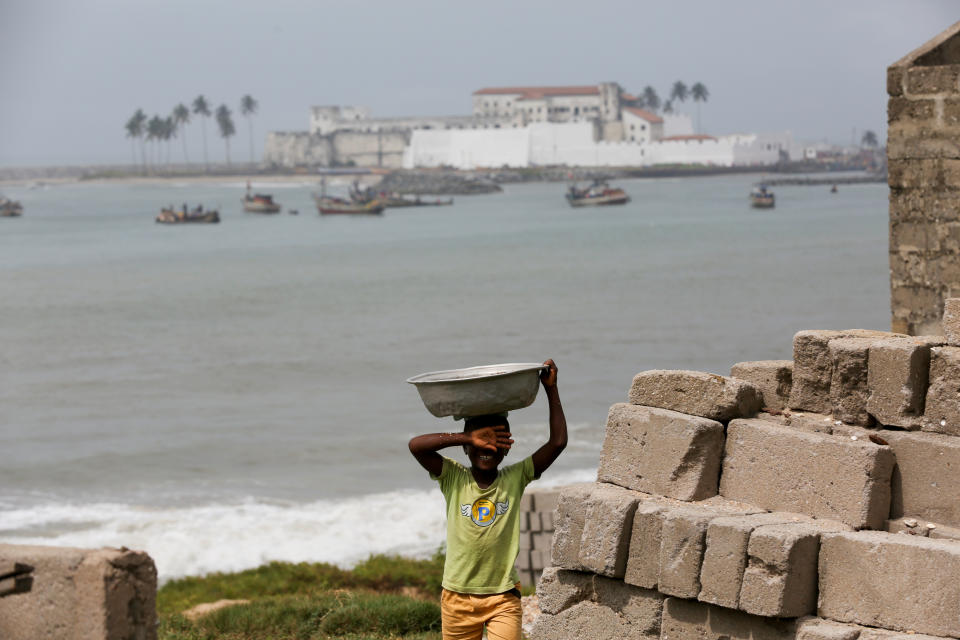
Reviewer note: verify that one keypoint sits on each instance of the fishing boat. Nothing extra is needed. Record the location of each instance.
(395, 200)
(10, 208)
(361, 201)
(597, 194)
(172, 216)
(762, 198)
(329, 205)
(260, 202)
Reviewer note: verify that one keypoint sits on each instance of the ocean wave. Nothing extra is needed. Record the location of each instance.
(200, 539)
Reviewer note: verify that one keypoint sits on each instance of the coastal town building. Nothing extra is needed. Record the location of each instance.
(579, 125)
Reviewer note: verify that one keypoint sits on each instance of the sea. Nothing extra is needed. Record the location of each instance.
(226, 395)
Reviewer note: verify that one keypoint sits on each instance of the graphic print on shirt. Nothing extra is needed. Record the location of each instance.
(484, 512)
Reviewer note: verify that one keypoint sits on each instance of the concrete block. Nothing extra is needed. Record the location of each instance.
(782, 469)
(725, 556)
(547, 500)
(539, 559)
(528, 501)
(661, 452)
(569, 525)
(547, 520)
(523, 561)
(560, 589)
(902, 583)
(682, 544)
(772, 378)
(907, 526)
(534, 523)
(608, 523)
(527, 577)
(895, 77)
(780, 579)
(848, 379)
(812, 369)
(691, 620)
(524, 522)
(692, 392)
(80, 594)
(526, 541)
(926, 481)
(942, 411)
(810, 628)
(543, 540)
(898, 374)
(643, 560)
(616, 611)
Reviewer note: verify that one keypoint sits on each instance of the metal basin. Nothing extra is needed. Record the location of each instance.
(477, 391)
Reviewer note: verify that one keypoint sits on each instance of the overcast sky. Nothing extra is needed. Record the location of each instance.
(73, 71)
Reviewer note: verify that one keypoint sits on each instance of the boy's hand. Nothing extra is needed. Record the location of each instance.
(549, 375)
(491, 438)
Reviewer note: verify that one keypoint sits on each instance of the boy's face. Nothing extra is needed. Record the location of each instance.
(484, 459)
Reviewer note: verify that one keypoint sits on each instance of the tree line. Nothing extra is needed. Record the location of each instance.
(157, 131)
(649, 99)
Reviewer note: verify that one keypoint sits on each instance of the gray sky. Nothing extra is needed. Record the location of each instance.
(73, 71)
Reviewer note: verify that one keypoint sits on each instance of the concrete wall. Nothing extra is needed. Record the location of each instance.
(924, 174)
(81, 594)
(363, 149)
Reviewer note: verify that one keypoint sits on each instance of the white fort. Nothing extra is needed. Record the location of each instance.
(585, 125)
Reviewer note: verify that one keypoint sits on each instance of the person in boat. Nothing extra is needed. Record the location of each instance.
(481, 586)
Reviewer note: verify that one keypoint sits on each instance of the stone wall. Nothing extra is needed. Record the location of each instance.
(79, 594)
(342, 148)
(923, 150)
(808, 499)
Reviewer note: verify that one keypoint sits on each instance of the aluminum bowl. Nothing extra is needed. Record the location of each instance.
(477, 391)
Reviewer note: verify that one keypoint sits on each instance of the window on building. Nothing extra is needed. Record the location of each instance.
(643, 127)
(576, 111)
(631, 127)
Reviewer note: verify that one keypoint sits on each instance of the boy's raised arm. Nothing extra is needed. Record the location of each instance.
(424, 448)
(545, 455)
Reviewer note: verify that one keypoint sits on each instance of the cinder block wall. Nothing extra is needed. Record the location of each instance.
(79, 594)
(537, 510)
(923, 151)
(804, 499)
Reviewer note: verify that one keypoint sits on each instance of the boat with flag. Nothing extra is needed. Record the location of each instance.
(761, 197)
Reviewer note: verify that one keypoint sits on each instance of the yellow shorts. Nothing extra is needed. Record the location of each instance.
(464, 616)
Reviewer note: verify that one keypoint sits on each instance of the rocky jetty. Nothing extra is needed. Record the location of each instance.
(437, 183)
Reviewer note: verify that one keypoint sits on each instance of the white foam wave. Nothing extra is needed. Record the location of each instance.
(195, 540)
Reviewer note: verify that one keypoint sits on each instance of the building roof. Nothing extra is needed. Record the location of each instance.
(527, 93)
(695, 136)
(646, 115)
(629, 97)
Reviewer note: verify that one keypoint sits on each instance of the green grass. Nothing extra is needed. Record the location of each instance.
(310, 601)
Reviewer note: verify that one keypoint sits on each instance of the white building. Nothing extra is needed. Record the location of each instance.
(582, 125)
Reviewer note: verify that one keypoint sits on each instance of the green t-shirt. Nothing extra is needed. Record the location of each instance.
(483, 527)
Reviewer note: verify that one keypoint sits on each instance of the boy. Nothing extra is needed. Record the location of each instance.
(480, 583)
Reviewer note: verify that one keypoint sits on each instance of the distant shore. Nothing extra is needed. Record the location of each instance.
(402, 180)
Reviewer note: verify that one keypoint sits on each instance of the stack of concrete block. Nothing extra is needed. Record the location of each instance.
(815, 497)
(538, 509)
(80, 594)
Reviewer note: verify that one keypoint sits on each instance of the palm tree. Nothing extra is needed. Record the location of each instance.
(169, 132)
(155, 132)
(202, 109)
(700, 94)
(869, 139)
(668, 106)
(248, 107)
(225, 122)
(181, 116)
(650, 98)
(678, 92)
(135, 129)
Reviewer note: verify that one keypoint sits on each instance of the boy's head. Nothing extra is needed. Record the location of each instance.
(485, 459)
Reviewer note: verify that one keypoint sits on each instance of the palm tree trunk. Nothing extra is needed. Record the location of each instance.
(203, 125)
(250, 125)
(226, 141)
(183, 134)
(143, 155)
